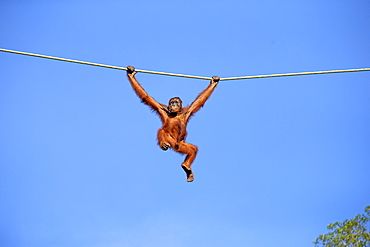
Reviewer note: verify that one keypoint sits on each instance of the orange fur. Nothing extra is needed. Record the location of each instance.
(173, 132)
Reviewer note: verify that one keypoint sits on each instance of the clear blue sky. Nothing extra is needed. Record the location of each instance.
(278, 160)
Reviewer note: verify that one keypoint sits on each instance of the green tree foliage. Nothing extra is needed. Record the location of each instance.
(350, 233)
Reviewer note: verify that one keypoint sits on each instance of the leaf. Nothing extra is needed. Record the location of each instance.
(349, 233)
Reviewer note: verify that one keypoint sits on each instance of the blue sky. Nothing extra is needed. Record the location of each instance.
(278, 159)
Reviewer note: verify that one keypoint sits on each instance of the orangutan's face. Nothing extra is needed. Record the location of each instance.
(175, 105)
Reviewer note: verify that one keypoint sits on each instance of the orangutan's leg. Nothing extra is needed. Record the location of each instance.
(191, 152)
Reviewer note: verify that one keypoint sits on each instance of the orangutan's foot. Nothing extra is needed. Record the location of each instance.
(189, 173)
(190, 178)
(165, 146)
